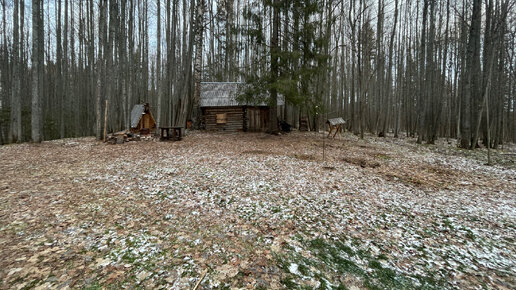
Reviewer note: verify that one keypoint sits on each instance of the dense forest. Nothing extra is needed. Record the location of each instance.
(424, 69)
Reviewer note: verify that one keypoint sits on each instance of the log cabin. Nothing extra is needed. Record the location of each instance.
(221, 111)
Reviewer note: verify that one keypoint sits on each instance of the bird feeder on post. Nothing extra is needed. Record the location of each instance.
(335, 126)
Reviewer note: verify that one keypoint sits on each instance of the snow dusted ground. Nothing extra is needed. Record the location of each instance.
(256, 211)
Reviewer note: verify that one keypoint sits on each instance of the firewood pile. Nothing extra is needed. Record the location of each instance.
(121, 137)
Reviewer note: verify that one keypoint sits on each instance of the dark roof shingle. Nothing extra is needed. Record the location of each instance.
(136, 114)
(224, 94)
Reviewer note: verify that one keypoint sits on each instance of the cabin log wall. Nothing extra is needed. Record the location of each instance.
(234, 118)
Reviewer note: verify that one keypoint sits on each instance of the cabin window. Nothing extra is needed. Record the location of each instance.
(221, 118)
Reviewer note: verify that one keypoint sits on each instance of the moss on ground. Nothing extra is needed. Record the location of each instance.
(330, 261)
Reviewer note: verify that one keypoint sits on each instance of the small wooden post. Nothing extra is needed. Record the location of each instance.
(338, 130)
(105, 120)
(488, 128)
(331, 130)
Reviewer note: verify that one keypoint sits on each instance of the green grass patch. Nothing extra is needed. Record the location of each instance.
(94, 286)
(330, 261)
(383, 156)
(31, 285)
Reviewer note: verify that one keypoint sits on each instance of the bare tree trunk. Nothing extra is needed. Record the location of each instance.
(273, 102)
(430, 98)
(385, 121)
(5, 79)
(437, 103)
(422, 74)
(130, 61)
(196, 114)
(72, 90)
(15, 120)
(474, 80)
(184, 102)
(100, 68)
(109, 69)
(380, 108)
(59, 76)
(230, 50)
(171, 60)
(158, 64)
(91, 65)
(463, 124)
(144, 53)
(124, 66)
(352, 24)
(65, 109)
(37, 20)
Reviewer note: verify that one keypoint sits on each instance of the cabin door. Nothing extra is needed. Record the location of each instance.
(257, 119)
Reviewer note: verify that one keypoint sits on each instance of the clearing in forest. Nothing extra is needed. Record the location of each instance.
(255, 211)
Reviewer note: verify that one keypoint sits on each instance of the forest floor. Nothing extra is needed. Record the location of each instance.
(256, 211)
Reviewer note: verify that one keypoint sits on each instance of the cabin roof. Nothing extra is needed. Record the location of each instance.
(224, 94)
(136, 114)
(215, 94)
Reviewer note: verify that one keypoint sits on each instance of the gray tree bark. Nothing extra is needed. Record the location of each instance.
(273, 102)
(473, 79)
(100, 68)
(422, 77)
(158, 64)
(199, 31)
(15, 118)
(37, 20)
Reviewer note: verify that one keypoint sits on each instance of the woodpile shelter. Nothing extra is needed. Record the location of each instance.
(221, 110)
(142, 121)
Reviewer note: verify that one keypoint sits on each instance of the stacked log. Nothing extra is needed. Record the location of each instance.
(122, 137)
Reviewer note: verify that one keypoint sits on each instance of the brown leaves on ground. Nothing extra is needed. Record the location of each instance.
(79, 213)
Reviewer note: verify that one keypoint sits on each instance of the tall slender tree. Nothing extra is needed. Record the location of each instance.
(199, 33)
(16, 122)
(473, 85)
(37, 63)
(273, 101)
(158, 62)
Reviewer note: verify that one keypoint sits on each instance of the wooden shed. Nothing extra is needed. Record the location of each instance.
(222, 112)
(142, 120)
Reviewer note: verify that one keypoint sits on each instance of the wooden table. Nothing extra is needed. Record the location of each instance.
(165, 133)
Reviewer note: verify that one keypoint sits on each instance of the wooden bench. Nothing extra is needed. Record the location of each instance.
(335, 124)
(165, 133)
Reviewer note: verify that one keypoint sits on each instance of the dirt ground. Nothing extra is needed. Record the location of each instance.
(256, 211)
